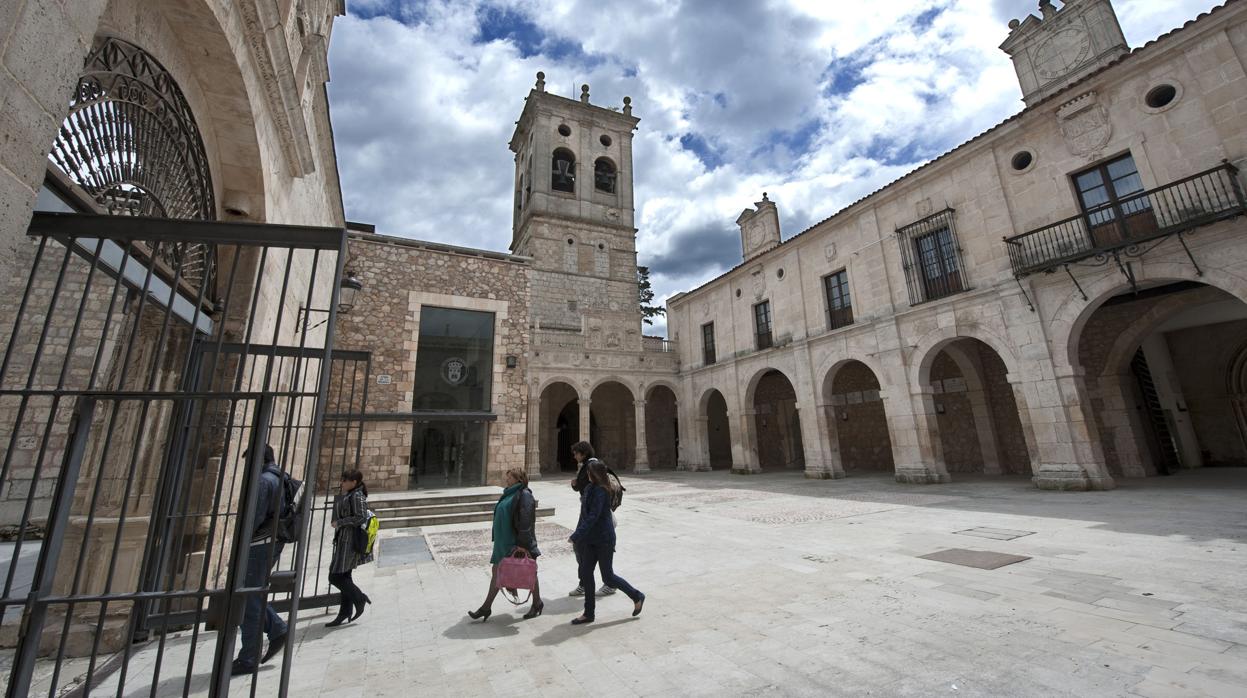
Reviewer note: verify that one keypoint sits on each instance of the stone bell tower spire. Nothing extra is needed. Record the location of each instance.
(1062, 45)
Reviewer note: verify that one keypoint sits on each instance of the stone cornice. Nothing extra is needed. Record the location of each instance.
(266, 39)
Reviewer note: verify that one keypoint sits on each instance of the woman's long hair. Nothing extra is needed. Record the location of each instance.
(599, 476)
(358, 477)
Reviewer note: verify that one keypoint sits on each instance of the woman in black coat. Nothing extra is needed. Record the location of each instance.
(594, 539)
(350, 512)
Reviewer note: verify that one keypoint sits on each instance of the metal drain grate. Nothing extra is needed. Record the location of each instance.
(994, 533)
(981, 559)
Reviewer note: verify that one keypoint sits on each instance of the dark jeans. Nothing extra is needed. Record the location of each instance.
(351, 594)
(257, 612)
(603, 557)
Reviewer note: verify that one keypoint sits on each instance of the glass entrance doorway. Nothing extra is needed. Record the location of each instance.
(448, 454)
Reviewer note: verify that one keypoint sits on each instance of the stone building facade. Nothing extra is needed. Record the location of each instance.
(1061, 297)
(410, 436)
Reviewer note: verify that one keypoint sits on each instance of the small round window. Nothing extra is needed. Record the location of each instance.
(601, 246)
(1022, 160)
(571, 241)
(738, 293)
(779, 274)
(605, 140)
(1160, 96)
(565, 130)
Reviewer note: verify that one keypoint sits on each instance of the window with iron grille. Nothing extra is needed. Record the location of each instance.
(931, 255)
(707, 343)
(762, 324)
(839, 303)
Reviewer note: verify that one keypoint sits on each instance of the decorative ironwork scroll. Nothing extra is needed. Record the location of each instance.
(131, 142)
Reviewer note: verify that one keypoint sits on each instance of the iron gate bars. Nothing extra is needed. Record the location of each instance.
(127, 399)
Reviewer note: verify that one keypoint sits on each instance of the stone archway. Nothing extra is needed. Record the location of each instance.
(976, 414)
(1161, 368)
(777, 426)
(613, 428)
(662, 427)
(559, 427)
(855, 413)
(718, 432)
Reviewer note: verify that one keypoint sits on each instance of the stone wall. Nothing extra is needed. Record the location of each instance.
(857, 415)
(401, 276)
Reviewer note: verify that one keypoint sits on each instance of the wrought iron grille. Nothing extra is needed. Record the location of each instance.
(931, 256)
(125, 414)
(131, 142)
(1125, 223)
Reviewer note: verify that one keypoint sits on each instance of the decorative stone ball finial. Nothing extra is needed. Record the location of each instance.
(541, 82)
(1046, 8)
(764, 197)
(627, 106)
(1014, 24)
(584, 93)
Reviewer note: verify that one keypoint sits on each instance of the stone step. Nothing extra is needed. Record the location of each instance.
(378, 503)
(385, 511)
(443, 519)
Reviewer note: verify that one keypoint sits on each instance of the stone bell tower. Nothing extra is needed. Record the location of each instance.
(573, 214)
(1061, 46)
(759, 228)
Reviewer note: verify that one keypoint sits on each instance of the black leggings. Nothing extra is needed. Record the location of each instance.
(351, 594)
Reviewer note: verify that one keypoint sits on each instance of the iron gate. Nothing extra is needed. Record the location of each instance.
(128, 398)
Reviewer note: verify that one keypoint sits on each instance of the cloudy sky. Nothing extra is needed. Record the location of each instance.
(815, 101)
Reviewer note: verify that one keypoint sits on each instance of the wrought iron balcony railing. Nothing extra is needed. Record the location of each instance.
(1174, 208)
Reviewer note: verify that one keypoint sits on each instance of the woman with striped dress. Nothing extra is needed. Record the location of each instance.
(350, 513)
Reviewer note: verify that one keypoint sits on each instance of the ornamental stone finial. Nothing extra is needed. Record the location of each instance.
(584, 93)
(541, 82)
(627, 106)
(1047, 9)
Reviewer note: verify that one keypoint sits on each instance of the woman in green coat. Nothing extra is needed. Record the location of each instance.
(515, 522)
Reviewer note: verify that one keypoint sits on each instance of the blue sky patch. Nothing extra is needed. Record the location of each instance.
(697, 145)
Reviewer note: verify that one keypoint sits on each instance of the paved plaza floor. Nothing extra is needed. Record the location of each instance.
(773, 585)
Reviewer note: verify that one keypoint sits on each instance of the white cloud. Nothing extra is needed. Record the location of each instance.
(816, 103)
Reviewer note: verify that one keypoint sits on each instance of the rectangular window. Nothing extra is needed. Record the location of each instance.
(932, 258)
(1111, 197)
(707, 343)
(454, 360)
(762, 324)
(839, 304)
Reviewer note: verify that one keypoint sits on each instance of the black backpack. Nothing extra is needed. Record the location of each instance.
(289, 526)
(617, 491)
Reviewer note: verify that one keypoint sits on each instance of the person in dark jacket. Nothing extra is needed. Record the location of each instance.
(350, 514)
(515, 528)
(582, 452)
(594, 539)
(264, 552)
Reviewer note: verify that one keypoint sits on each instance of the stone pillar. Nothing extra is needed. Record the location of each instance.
(702, 442)
(583, 403)
(813, 441)
(830, 440)
(532, 436)
(1121, 423)
(986, 430)
(745, 459)
(1065, 442)
(642, 448)
(1169, 392)
(915, 438)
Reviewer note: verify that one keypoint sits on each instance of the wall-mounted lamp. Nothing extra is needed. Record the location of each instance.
(939, 408)
(348, 288)
(844, 416)
(512, 361)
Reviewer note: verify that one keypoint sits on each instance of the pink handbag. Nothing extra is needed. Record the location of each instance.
(517, 571)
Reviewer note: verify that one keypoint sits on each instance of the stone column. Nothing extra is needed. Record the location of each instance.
(817, 465)
(532, 436)
(1122, 425)
(642, 448)
(583, 403)
(986, 430)
(1169, 392)
(745, 459)
(916, 441)
(703, 446)
(1069, 457)
(830, 439)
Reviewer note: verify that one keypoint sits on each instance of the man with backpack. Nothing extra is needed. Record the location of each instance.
(583, 453)
(271, 515)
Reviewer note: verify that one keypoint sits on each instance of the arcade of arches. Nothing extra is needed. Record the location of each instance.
(627, 432)
(1164, 371)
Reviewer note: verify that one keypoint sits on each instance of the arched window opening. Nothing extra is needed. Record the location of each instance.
(131, 142)
(563, 171)
(604, 176)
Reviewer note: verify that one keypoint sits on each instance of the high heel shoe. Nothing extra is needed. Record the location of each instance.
(481, 615)
(534, 611)
(359, 606)
(342, 618)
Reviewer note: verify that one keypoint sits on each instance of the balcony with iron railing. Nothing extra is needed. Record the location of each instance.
(1128, 222)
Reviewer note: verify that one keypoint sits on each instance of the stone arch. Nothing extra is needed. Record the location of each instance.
(662, 425)
(935, 341)
(712, 411)
(1123, 348)
(633, 390)
(613, 427)
(558, 424)
(559, 378)
(856, 419)
(751, 386)
(827, 371)
(660, 382)
(777, 437)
